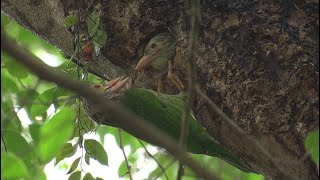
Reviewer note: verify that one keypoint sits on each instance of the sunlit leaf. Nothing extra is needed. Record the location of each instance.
(312, 145)
(9, 118)
(16, 69)
(12, 167)
(35, 132)
(165, 160)
(70, 21)
(26, 97)
(87, 158)
(8, 83)
(74, 165)
(96, 151)
(12, 29)
(43, 176)
(54, 133)
(42, 103)
(67, 151)
(83, 126)
(127, 139)
(123, 169)
(5, 20)
(75, 176)
(16, 144)
(88, 176)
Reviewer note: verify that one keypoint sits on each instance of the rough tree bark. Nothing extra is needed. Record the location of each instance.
(257, 60)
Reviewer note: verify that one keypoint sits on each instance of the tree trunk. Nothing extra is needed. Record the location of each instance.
(257, 60)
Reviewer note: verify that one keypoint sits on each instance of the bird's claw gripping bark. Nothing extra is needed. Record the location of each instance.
(174, 78)
(116, 84)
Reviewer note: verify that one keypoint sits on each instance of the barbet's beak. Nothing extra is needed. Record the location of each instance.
(143, 62)
(147, 58)
(116, 84)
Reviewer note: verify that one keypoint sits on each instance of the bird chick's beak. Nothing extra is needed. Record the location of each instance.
(116, 84)
(147, 58)
(143, 62)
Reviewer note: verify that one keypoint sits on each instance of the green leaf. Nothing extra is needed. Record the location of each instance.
(99, 178)
(75, 176)
(5, 20)
(16, 69)
(12, 167)
(164, 160)
(54, 133)
(35, 132)
(96, 29)
(74, 165)
(312, 145)
(96, 151)
(84, 125)
(16, 144)
(127, 139)
(100, 40)
(67, 151)
(102, 131)
(12, 29)
(93, 21)
(43, 175)
(8, 83)
(9, 118)
(42, 103)
(87, 158)
(88, 176)
(38, 110)
(26, 97)
(70, 21)
(123, 169)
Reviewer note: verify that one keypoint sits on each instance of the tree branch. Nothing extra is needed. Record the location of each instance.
(192, 74)
(237, 129)
(124, 154)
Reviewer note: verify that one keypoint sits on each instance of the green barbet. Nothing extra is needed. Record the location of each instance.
(163, 111)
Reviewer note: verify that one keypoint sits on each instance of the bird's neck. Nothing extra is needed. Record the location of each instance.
(160, 64)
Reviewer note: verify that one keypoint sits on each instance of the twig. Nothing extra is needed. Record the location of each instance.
(4, 143)
(194, 36)
(126, 119)
(163, 170)
(170, 164)
(241, 132)
(124, 154)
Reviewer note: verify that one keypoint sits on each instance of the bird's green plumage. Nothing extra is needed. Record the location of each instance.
(165, 112)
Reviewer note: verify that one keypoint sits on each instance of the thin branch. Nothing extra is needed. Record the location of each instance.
(242, 133)
(170, 164)
(126, 119)
(194, 37)
(124, 154)
(4, 143)
(163, 170)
